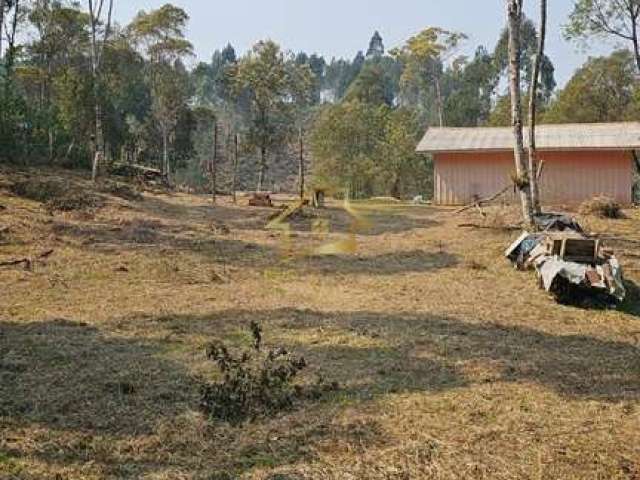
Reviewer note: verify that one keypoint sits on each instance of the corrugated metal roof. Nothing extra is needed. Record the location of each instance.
(579, 136)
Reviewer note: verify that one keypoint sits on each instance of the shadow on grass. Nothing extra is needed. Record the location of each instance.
(80, 383)
(70, 375)
(380, 353)
(382, 220)
(385, 264)
(123, 407)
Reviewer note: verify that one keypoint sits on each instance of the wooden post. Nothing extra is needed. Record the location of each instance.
(234, 177)
(301, 166)
(214, 162)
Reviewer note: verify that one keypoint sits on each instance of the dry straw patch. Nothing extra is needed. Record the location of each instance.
(446, 370)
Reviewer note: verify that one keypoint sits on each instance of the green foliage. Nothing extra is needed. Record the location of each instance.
(161, 32)
(275, 86)
(368, 149)
(469, 88)
(602, 18)
(605, 89)
(529, 48)
(376, 83)
(423, 58)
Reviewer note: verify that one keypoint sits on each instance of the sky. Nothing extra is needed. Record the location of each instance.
(339, 28)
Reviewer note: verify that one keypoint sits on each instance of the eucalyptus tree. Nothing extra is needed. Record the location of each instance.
(533, 105)
(100, 16)
(423, 56)
(161, 35)
(606, 18)
(274, 85)
(522, 180)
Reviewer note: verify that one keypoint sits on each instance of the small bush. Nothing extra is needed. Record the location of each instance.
(255, 383)
(603, 207)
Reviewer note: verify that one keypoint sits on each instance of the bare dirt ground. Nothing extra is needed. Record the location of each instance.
(450, 363)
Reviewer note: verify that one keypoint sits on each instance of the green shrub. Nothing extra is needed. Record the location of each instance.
(256, 382)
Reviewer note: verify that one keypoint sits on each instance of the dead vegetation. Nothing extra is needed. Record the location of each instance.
(57, 195)
(602, 207)
(449, 364)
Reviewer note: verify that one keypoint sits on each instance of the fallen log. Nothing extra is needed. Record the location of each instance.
(478, 203)
(490, 227)
(28, 261)
(140, 171)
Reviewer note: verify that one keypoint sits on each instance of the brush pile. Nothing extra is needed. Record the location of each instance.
(574, 267)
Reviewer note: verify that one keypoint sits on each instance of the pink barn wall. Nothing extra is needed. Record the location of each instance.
(567, 178)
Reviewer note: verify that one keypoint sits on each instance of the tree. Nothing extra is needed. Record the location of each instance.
(376, 46)
(529, 42)
(522, 181)
(161, 33)
(60, 41)
(345, 144)
(3, 6)
(96, 9)
(423, 56)
(533, 103)
(469, 89)
(602, 18)
(603, 90)
(275, 85)
(368, 149)
(373, 85)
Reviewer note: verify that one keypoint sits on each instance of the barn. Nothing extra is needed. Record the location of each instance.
(579, 161)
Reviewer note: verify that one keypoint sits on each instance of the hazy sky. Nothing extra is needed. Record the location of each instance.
(342, 27)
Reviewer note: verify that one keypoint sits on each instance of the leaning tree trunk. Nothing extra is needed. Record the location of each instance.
(523, 183)
(533, 106)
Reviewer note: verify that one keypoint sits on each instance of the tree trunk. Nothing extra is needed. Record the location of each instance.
(96, 59)
(2, 7)
(99, 142)
(301, 166)
(533, 106)
(262, 167)
(234, 176)
(214, 163)
(636, 42)
(514, 15)
(440, 102)
(165, 153)
(11, 37)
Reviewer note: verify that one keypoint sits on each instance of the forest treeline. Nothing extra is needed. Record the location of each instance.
(76, 88)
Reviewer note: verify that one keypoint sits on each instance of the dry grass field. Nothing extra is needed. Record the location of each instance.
(451, 364)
